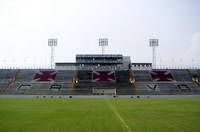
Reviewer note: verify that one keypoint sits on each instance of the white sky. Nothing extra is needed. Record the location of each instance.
(26, 25)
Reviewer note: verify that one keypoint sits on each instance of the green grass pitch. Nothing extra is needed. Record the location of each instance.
(100, 115)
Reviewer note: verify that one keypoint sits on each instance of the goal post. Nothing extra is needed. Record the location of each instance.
(104, 91)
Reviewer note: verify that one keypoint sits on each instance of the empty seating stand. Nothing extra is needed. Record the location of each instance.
(60, 82)
(35, 82)
(142, 76)
(164, 82)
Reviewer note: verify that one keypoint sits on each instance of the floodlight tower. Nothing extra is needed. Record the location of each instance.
(103, 42)
(153, 43)
(52, 43)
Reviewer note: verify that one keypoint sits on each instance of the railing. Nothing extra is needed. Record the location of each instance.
(102, 68)
(25, 67)
(89, 92)
(89, 67)
(177, 67)
(166, 67)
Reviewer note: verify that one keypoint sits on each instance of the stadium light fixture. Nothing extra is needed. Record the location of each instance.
(103, 42)
(153, 43)
(52, 43)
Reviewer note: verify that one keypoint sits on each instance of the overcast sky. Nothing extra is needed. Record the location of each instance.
(26, 26)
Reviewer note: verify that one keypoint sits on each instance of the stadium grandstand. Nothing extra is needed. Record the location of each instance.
(100, 74)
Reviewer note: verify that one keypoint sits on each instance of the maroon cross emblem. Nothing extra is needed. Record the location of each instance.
(162, 76)
(103, 76)
(45, 76)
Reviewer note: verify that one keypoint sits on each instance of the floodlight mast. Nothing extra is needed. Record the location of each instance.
(103, 42)
(153, 43)
(52, 43)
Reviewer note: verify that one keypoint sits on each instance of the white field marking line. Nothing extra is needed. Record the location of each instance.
(118, 116)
